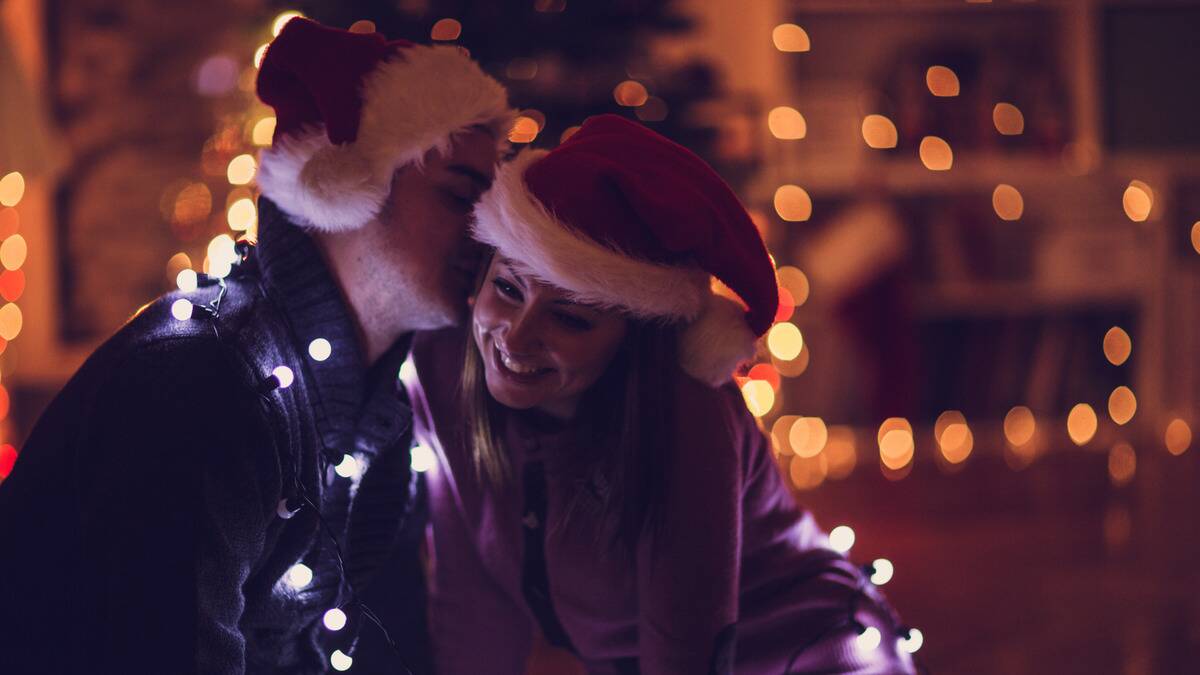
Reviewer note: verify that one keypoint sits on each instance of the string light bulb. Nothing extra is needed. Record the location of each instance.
(284, 376)
(884, 570)
(869, 639)
(841, 538)
(912, 642)
(181, 309)
(334, 619)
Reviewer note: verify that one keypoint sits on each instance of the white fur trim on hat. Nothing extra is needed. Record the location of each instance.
(412, 104)
(519, 227)
(717, 342)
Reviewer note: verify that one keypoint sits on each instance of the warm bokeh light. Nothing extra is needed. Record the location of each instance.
(795, 367)
(1178, 436)
(177, 263)
(241, 170)
(264, 131)
(842, 452)
(445, 30)
(187, 280)
(8, 458)
(12, 189)
(955, 440)
(767, 373)
(1008, 119)
(795, 281)
(12, 285)
(787, 305)
(653, 110)
(362, 26)
(808, 472)
(1082, 424)
(780, 431)
(259, 54)
(841, 538)
(1117, 345)
(760, 397)
(567, 133)
(787, 123)
(630, 94)
(1196, 236)
(879, 132)
(792, 203)
(808, 436)
(1122, 405)
(942, 81)
(785, 341)
(936, 154)
(788, 37)
(282, 20)
(1138, 201)
(1019, 426)
(1007, 202)
(896, 444)
(1122, 463)
(242, 215)
(13, 252)
(193, 204)
(221, 256)
(524, 130)
(11, 321)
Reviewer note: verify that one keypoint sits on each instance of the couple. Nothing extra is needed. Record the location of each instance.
(225, 486)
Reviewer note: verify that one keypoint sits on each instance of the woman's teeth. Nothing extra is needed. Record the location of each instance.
(516, 367)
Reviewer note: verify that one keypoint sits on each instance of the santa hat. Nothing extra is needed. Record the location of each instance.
(619, 216)
(353, 107)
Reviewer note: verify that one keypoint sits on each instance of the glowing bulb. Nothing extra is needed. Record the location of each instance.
(408, 372)
(334, 619)
(422, 458)
(936, 154)
(1138, 201)
(793, 204)
(785, 341)
(1081, 423)
(879, 132)
(285, 376)
(298, 576)
(242, 215)
(282, 20)
(942, 81)
(241, 170)
(760, 397)
(222, 252)
(883, 571)
(13, 252)
(913, 642)
(787, 123)
(789, 37)
(320, 349)
(869, 639)
(841, 538)
(187, 280)
(12, 189)
(348, 467)
(181, 309)
(340, 660)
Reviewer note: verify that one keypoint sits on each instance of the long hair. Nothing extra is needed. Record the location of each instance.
(621, 435)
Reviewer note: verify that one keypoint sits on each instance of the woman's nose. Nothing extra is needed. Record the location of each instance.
(521, 335)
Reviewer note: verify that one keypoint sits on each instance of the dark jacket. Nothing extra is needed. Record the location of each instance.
(147, 525)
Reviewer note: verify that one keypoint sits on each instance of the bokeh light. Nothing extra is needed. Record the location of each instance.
(785, 341)
(795, 281)
(792, 203)
(1007, 202)
(1082, 424)
(1019, 426)
(13, 252)
(1138, 201)
(12, 189)
(524, 130)
(884, 571)
(936, 154)
(787, 123)
(340, 661)
(1122, 463)
(759, 396)
(445, 30)
(789, 37)
(1117, 345)
(241, 170)
(1178, 436)
(422, 458)
(282, 20)
(780, 430)
(896, 444)
(808, 436)
(182, 309)
(320, 349)
(11, 321)
(365, 26)
(869, 639)
(263, 132)
(807, 473)
(942, 81)
(842, 452)
(298, 576)
(1008, 119)
(1122, 405)
(630, 94)
(879, 132)
(841, 539)
(953, 436)
(334, 619)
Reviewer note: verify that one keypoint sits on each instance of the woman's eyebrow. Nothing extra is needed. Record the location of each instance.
(512, 271)
(477, 178)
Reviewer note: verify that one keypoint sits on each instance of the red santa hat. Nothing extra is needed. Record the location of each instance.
(621, 217)
(353, 107)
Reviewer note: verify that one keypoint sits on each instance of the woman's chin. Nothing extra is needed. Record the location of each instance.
(510, 399)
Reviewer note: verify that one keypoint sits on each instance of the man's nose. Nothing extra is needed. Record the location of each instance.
(522, 335)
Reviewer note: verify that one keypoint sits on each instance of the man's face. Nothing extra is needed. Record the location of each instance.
(421, 238)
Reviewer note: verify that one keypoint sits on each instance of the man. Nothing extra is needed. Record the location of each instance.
(219, 485)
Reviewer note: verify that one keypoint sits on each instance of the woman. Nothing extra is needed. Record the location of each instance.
(599, 480)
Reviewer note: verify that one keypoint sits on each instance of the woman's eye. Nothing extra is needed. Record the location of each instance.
(459, 202)
(506, 289)
(573, 322)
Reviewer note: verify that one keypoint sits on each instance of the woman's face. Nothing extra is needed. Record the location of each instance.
(540, 350)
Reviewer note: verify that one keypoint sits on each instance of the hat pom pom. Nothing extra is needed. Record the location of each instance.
(339, 188)
(712, 346)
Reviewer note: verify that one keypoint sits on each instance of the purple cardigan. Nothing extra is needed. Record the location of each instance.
(735, 549)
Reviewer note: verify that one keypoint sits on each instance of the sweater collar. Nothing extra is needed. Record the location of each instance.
(356, 407)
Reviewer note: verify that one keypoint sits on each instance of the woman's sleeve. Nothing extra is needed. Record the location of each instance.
(688, 565)
(475, 626)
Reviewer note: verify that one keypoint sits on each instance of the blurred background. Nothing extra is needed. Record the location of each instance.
(985, 215)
